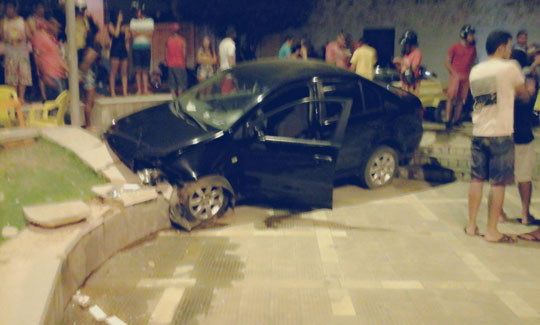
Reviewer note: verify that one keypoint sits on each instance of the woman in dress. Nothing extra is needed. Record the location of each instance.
(15, 34)
(119, 52)
(207, 59)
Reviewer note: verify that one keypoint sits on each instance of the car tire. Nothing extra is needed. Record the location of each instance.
(380, 169)
(197, 203)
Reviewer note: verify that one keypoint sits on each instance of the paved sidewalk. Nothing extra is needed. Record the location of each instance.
(399, 260)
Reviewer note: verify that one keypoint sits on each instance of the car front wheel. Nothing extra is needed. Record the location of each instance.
(198, 202)
(380, 168)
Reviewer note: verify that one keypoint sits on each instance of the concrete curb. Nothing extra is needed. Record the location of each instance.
(40, 269)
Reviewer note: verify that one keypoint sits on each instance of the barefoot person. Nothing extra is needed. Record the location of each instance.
(494, 85)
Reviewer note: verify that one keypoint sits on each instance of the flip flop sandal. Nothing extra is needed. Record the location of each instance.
(531, 238)
(505, 239)
(476, 233)
(531, 221)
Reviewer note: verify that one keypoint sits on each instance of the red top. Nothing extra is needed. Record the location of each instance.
(414, 58)
(48, 55)
(462, 58)
(175, 52)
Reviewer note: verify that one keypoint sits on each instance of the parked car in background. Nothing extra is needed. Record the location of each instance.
(277, 131)
(432, 93)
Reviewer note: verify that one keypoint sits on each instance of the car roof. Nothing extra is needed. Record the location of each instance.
(276, 72)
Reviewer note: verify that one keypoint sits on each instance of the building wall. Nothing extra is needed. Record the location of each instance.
(437, 23)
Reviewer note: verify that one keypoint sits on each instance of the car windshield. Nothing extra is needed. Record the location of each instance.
(221, 100)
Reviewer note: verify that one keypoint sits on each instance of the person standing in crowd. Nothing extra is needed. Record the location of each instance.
(459, 61)
(207, 59)
(141, 29)
(82, 29)
(364, 59)
(525, 156)
(285, 52)
(48, 55)
(36, 18)
(336, 53)
(409, 64)
(119, 52)
(97, 39)
(305, 51)
(495, 83)
(227, 50)
(175, 57)
(15, 33)
(520, 49)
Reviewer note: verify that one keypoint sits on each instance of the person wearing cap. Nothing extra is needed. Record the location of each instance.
(141, 29)
(409, 64)
(175, 57)
(459, 62)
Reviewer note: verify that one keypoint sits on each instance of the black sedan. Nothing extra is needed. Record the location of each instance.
(279, 132)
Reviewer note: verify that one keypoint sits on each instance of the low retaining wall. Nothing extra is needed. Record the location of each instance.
(40, 269)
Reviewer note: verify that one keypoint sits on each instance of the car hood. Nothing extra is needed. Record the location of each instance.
(154, 133)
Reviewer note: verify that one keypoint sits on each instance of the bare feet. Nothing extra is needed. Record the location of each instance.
(471, 230)
(503, 217)
(499, 238)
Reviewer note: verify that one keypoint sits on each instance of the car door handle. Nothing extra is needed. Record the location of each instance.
(322, 158)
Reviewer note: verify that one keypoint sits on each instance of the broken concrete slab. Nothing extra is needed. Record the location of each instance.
(98, 314)
(103, 190)
(97, 158)
(57, 214)
(9, 232)
(129, 198)
(113, 320)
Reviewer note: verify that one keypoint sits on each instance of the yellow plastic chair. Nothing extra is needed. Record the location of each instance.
(50, 113)
(9, 105)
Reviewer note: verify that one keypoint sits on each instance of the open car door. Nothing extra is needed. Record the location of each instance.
(287, 160)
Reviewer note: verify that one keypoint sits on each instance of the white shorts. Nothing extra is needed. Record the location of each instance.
(524, 162)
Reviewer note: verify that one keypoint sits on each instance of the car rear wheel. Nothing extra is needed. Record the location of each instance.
(197, 203)
(380, 168)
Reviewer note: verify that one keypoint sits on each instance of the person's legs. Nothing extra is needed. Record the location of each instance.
(462, 92)
(21, 90)
(145, 89)
(42, 89)
(172, 81)
(525, 192)
(495, 203)
(90, 97)
(525, 160)
(138, 81)
(501, 173)
(115, 62)
(124, 74)
(475, 198)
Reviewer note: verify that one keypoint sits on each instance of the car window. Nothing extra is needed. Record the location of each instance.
(290, 122)
(330, 111)
(372, 97)
(288, 95)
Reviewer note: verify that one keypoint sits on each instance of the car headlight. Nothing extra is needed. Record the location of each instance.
(149, 176)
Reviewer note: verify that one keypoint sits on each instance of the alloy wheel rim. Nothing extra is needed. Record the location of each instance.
(205, 202)
(382, 169)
